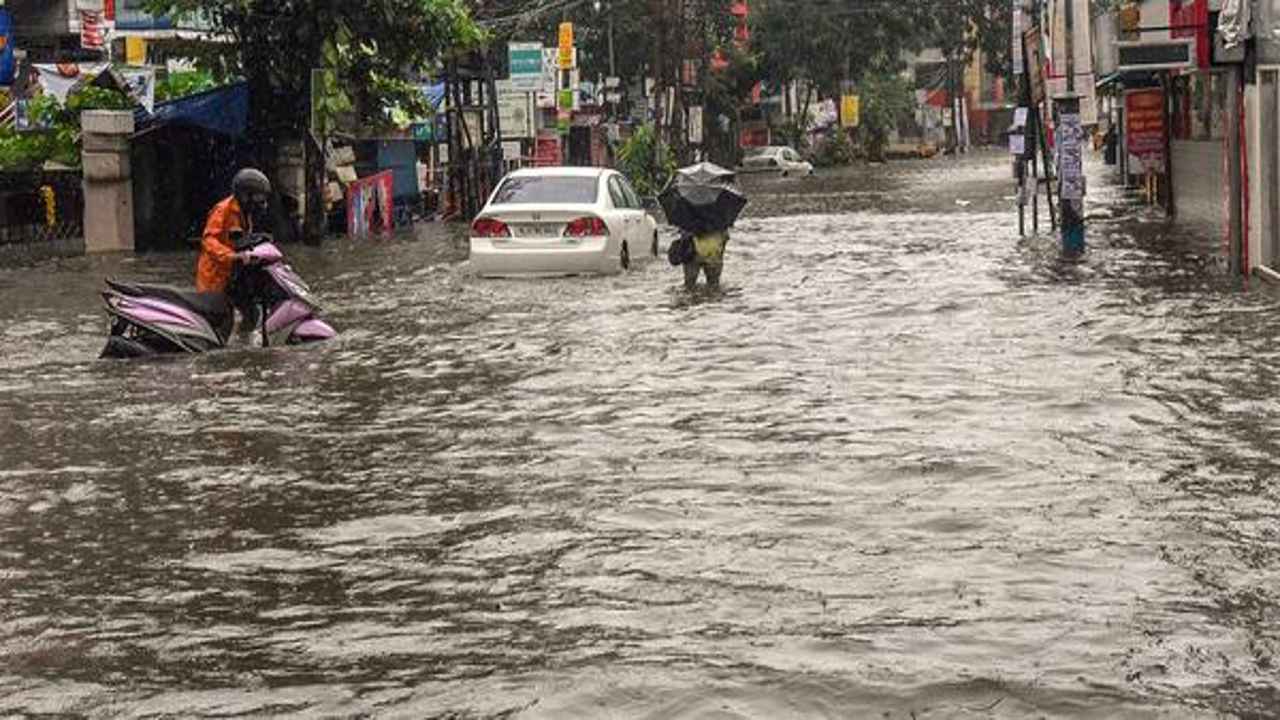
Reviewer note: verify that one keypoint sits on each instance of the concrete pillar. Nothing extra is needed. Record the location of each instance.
(291, 175)
(108, 181)
(1231, 113)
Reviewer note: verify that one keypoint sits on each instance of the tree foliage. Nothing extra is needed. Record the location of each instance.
(56, 129)
(646, 161)
(371, 52)
(830, 44)
(886, 98)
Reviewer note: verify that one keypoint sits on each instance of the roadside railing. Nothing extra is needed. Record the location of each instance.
(41, 207)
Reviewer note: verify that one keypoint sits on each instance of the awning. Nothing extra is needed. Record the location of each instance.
(224, 110)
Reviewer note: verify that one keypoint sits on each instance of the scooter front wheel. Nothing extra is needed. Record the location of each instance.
(123, 348)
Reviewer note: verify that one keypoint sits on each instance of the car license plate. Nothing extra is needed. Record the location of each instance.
(536, 231)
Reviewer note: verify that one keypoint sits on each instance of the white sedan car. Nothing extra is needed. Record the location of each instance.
(781, 159)
(562, 221)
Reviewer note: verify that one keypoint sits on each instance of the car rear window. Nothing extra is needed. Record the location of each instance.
(546, 189)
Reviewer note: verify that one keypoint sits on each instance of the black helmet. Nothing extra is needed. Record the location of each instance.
(251, 187)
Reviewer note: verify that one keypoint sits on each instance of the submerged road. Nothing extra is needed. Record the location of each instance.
(906, 465)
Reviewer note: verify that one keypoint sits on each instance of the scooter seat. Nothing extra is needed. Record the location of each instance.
(212, 306)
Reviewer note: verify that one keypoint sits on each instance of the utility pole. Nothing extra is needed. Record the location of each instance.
(1070, 152)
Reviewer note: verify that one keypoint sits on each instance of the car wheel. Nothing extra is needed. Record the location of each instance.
(654, 249)
(625, 257)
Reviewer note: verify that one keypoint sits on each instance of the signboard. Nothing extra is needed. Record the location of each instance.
(566, 46)
(7, 65)
(695, 124)
(1015, 43)
(369, 205)
(512, 152)
(1144, 126)
(515, 111)
(1166, 55)
(525, 62)
(548, 93)
(850, 111)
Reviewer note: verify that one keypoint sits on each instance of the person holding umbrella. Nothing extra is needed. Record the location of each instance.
(704, 203)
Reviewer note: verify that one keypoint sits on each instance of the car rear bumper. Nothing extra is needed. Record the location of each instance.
(591, 256)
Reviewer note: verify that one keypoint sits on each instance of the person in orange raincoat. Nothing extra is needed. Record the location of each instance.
(250, 189)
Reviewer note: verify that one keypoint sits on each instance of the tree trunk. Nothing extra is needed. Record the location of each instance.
(315, 217)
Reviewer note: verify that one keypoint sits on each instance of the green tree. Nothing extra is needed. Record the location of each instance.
(646, 160)
(371, 52)
(885, 99)
(832, 44)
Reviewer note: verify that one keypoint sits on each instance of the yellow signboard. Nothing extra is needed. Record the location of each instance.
(850, 111)
(135, 49)
(566, 46)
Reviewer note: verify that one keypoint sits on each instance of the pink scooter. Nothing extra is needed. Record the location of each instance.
(151, 320)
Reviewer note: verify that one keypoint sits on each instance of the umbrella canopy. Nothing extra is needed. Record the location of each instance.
(701, 208)
(704, 173)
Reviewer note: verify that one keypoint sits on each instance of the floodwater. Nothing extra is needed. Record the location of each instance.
(906, 465)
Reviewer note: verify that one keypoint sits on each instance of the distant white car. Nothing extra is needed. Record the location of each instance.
(562, 221)
(778, 158)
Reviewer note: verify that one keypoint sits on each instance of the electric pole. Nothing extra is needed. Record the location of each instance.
(1070, 153)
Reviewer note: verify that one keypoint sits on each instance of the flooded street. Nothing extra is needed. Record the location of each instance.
(906, 465)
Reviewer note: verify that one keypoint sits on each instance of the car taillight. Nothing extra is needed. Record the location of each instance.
(490, 228)
(586, 227)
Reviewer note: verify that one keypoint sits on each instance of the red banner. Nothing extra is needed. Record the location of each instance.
(1144, 125)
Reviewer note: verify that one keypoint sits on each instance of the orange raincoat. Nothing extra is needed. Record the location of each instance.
(217, 251)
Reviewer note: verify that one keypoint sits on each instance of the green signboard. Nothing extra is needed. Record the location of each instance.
(525, 63)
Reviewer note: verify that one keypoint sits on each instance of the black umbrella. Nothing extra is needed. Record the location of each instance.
(702, 199)
(705, 173)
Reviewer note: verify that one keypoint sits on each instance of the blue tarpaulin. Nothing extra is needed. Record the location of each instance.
(224, 111)
(435, 94)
